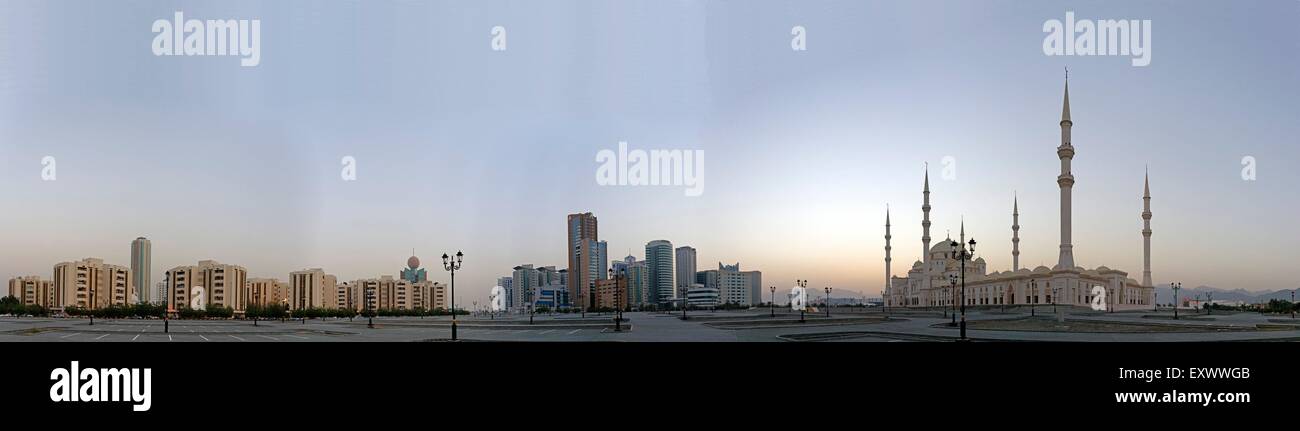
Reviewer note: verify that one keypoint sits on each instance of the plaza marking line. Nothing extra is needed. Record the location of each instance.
(269, 338)
(237, 338)
(204, 338)
(71, 335)
(295, 336)
(546, 332)
(101, 336)
(169, 337)
(575, 331)
(136, 336)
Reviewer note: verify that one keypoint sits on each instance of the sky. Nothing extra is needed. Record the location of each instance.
(461, 147)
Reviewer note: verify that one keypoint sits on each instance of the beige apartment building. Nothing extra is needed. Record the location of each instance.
(223, 285)
(387, 293)
(32, 290)
(312, 288)
(267, 291)
(91, 283)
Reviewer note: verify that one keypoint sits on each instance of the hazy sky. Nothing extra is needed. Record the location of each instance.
(462, 147)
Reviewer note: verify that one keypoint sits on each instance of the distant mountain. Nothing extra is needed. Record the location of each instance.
(1165, 295)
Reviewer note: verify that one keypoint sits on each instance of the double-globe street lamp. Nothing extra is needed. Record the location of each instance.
(1176, 287)
(952, 298)
(1032, 297)
(772, 305)
(963, 254)
(451, 265)
(618, 299)
(828, 301)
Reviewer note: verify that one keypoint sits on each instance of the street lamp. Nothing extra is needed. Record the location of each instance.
(828, 301)
(952, 298)
(532, 305)
(618, 304)
(1292, 303)
(963, 255)
(451, 266)
(1156, 301)
(1209, 302)
(772, 305)
(1032, 298)
(370, 313)
(683, 291)
(1176, 287)
(803, 284)
(1056, 291)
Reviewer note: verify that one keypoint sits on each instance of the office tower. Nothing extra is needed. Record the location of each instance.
(91, 283)
(223, 285)
(312, 288)
(141, 269)
(734, 286)
(582, 238)
(508, 284)
(685, 266)
(523, 281)
(659, 260)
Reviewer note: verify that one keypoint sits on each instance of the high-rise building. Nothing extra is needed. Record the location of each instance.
(659, 262)
(508, 284)
(265, 292)
(734, 286)
(685, 266)
(224, 285)
(386, 293)
(313, 288)
(141, 269)
(91, 283)
(582, 239)
(32, 290)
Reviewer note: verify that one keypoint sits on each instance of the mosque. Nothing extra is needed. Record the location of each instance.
(935, 280)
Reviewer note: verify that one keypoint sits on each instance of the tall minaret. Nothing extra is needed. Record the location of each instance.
(887, 258)
(1015, 234)
(1066, 181)
(963, 232)
(1146, 231)
(925, 222)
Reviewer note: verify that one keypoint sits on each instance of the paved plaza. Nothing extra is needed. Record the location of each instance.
(858, 325)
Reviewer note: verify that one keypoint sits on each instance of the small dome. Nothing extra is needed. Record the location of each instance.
(1042, 268)
(917, 264)
(413, 262)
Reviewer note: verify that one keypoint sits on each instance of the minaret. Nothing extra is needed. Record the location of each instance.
(925, 221)
(887, 258)
(1066, 180)
(1015, 234)
(1146, 231)
(963, 232)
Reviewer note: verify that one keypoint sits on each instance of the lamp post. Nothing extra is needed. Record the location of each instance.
(451, 266)
(1209, 302)
(1292, 303)
(682, 289)
(772, 305)
(1056, 291)
(803, 284)
(1032, 298)
(532, 306)
(963, 256)
(952, 298)
(828, 301)
(370, 314)
(618, 304)
(1156, 301)
(1176, 287)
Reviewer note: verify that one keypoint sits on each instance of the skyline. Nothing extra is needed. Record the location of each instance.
(485, 152)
